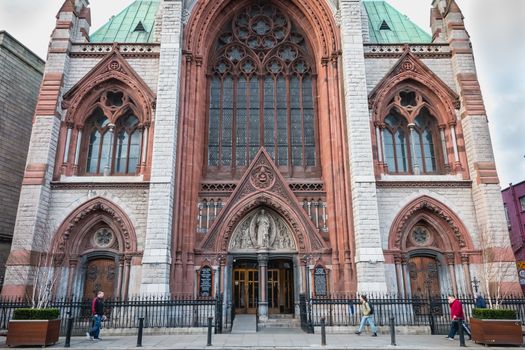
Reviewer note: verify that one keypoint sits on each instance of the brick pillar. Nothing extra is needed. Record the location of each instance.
(369, 257)
(486, 191)
(32, 221)
(156, 261)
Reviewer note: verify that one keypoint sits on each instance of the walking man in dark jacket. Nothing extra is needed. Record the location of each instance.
(97, 310)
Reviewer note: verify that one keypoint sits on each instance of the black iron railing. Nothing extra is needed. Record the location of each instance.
(158, 312)
(337, 310)
(434, 312)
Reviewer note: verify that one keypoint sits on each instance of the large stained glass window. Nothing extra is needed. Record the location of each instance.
(261, 94)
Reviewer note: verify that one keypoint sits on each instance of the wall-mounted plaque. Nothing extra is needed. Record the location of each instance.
(320, 281)
(205, 281)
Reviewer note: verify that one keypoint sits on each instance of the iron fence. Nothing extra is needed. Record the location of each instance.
(433, 312)
(338, 310)
(158, 312)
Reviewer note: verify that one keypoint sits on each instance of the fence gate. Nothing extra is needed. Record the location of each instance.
(306, 324)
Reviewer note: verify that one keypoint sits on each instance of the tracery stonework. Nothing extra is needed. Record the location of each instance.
(262, 230)
(262, 178)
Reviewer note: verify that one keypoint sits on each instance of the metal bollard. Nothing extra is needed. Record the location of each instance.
(461, 334)
(323, 332)
(69, 329)
(210, 319)
(392, 331)
(139, 336)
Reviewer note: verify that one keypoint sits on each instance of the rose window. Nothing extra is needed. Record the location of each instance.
(421, 236)
(104, 238)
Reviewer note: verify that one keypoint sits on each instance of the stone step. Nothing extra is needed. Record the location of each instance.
(280, 323)
(243, 324)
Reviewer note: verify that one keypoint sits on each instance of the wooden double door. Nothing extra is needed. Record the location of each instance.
(424, 284)
(424, 276)
(101, 275)
(279, 288)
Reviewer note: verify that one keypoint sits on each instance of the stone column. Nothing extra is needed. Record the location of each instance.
(369, 257)
(452, 271)
(399, 276)
(109, 164)
(465, 261)
(262, 259)
(156, 261)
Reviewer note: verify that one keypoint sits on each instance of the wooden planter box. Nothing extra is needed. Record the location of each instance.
(497, 332)
(33, 332)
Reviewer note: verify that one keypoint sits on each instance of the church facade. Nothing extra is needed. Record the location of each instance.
(260, 149)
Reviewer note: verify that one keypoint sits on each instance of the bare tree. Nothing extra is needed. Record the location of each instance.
(40, 276)
(496, 266)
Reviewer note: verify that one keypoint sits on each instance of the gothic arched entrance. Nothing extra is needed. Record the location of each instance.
(263, 257)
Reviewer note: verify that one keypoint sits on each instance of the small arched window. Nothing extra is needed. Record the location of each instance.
(411, 138)
(99, 143)
(424, 141)
(127, 146)
(113, 148)
(395, 136)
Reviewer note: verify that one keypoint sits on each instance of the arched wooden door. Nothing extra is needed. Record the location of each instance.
(100, 275)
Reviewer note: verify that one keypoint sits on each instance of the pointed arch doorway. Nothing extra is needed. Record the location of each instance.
(264, 265)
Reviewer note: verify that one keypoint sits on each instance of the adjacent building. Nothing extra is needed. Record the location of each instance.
(20, 77)
(261, 149)
(514, 202)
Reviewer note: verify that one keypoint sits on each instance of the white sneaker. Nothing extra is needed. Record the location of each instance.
(88, 336)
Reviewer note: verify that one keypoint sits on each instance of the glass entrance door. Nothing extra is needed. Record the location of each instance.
(280, 289)
(245, 290)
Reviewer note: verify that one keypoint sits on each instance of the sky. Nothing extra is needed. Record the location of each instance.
(495, 27)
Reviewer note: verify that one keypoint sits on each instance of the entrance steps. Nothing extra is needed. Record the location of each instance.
(281, 322)
(243, 324)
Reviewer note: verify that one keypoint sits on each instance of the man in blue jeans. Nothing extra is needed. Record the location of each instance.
(97, 310)
(368, 316)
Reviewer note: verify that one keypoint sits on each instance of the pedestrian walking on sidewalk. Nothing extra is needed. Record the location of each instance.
(367, 312)
(97, 310)
(480, 302)
(456, 313)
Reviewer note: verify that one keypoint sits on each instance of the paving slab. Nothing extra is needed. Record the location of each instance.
(265, 341)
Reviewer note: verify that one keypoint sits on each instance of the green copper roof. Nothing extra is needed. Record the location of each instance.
(133, 25)
(389, 26)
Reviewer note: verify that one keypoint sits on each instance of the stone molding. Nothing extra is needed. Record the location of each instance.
(203, 23)
(424, 184)
(430, 209)
(398, 50)
(126, 50)
(262, 185)
(410, 68)
(113, 68)
(75, 226)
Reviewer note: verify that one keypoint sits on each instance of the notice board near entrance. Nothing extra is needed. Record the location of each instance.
(205, 281)
(320, 284)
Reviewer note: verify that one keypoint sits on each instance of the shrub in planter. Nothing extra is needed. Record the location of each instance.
(33, 327)
(494, 314)
(36, 314)
(496, 326)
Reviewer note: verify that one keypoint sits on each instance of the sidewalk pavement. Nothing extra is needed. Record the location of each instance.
(267, 340)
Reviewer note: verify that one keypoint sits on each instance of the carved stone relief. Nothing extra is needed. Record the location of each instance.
(262, 230)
